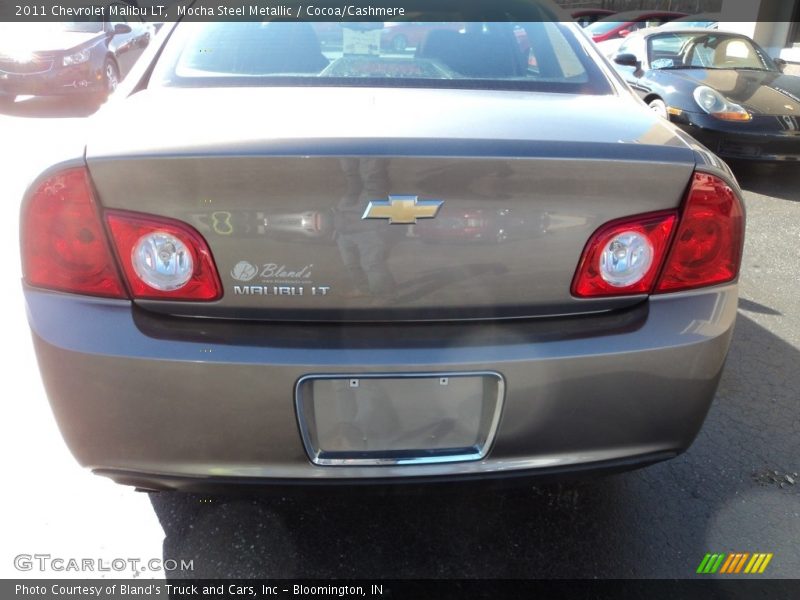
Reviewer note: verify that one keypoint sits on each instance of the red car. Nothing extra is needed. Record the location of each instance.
(622, 24)
(587, 16)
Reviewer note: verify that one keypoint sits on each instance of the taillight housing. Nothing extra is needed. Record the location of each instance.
(64, 245)
(163, 259)
(698, 246)
(708, 244)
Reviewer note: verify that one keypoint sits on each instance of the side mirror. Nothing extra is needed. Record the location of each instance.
(122, 28)
(624, 32)
(780, 63)
(627, 60)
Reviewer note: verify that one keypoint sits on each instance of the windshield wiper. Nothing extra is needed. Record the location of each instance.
(675, 67)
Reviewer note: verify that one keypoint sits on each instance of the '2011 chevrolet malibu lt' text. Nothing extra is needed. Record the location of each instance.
(321, 258)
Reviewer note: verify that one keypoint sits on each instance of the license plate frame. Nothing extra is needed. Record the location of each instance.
(472, 420)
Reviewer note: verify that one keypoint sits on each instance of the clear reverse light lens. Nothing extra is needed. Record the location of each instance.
(162, 261)
(626, 259)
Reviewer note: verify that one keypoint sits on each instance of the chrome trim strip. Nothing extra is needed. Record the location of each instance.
(473, 453)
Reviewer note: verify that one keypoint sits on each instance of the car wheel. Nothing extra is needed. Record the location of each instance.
(659, 107)
(6, 101)
(399, 43)
(110, 81)
(111, 76)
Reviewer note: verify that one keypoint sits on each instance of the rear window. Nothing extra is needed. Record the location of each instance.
(496, 55)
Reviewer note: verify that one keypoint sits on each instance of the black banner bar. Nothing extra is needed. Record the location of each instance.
(733, 588)
(25, 11)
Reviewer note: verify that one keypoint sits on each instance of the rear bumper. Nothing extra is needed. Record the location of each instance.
(216, 484)
(175, 403)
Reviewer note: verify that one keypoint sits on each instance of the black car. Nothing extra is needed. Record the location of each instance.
(722, 88)
(53, 59)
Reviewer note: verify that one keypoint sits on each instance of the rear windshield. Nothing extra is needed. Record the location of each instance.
(542, 56)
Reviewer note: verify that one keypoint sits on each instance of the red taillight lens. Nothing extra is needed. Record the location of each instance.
(163, 259)
(64, 246)
(708, 245)
(705, 249)
(623, 257)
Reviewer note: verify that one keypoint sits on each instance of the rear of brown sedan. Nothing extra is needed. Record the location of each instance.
(247, 287)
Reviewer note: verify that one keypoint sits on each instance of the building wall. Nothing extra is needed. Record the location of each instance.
(768, 22)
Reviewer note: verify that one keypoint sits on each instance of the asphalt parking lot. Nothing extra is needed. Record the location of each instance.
(732, 492)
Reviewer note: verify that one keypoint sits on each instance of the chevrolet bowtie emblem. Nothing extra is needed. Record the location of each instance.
(402, 210)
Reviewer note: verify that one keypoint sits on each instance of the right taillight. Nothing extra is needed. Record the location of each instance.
(707, 247)
(656, 253)
(624, 257)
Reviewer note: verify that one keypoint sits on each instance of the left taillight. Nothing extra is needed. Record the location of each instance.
(163, 259)
(64, 245)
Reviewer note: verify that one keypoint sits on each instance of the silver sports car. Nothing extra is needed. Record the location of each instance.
(183, 343)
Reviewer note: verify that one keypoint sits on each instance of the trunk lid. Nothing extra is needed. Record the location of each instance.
(278, 181)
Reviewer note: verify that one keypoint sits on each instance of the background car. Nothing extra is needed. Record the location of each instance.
(722, 88)
(68, 58)
(608, 33)
(587, 16)
(622, 24)
(177, 356)
(700, 21)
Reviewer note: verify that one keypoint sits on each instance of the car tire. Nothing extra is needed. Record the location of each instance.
(658, 106)
(399, 43)
(110, 81)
